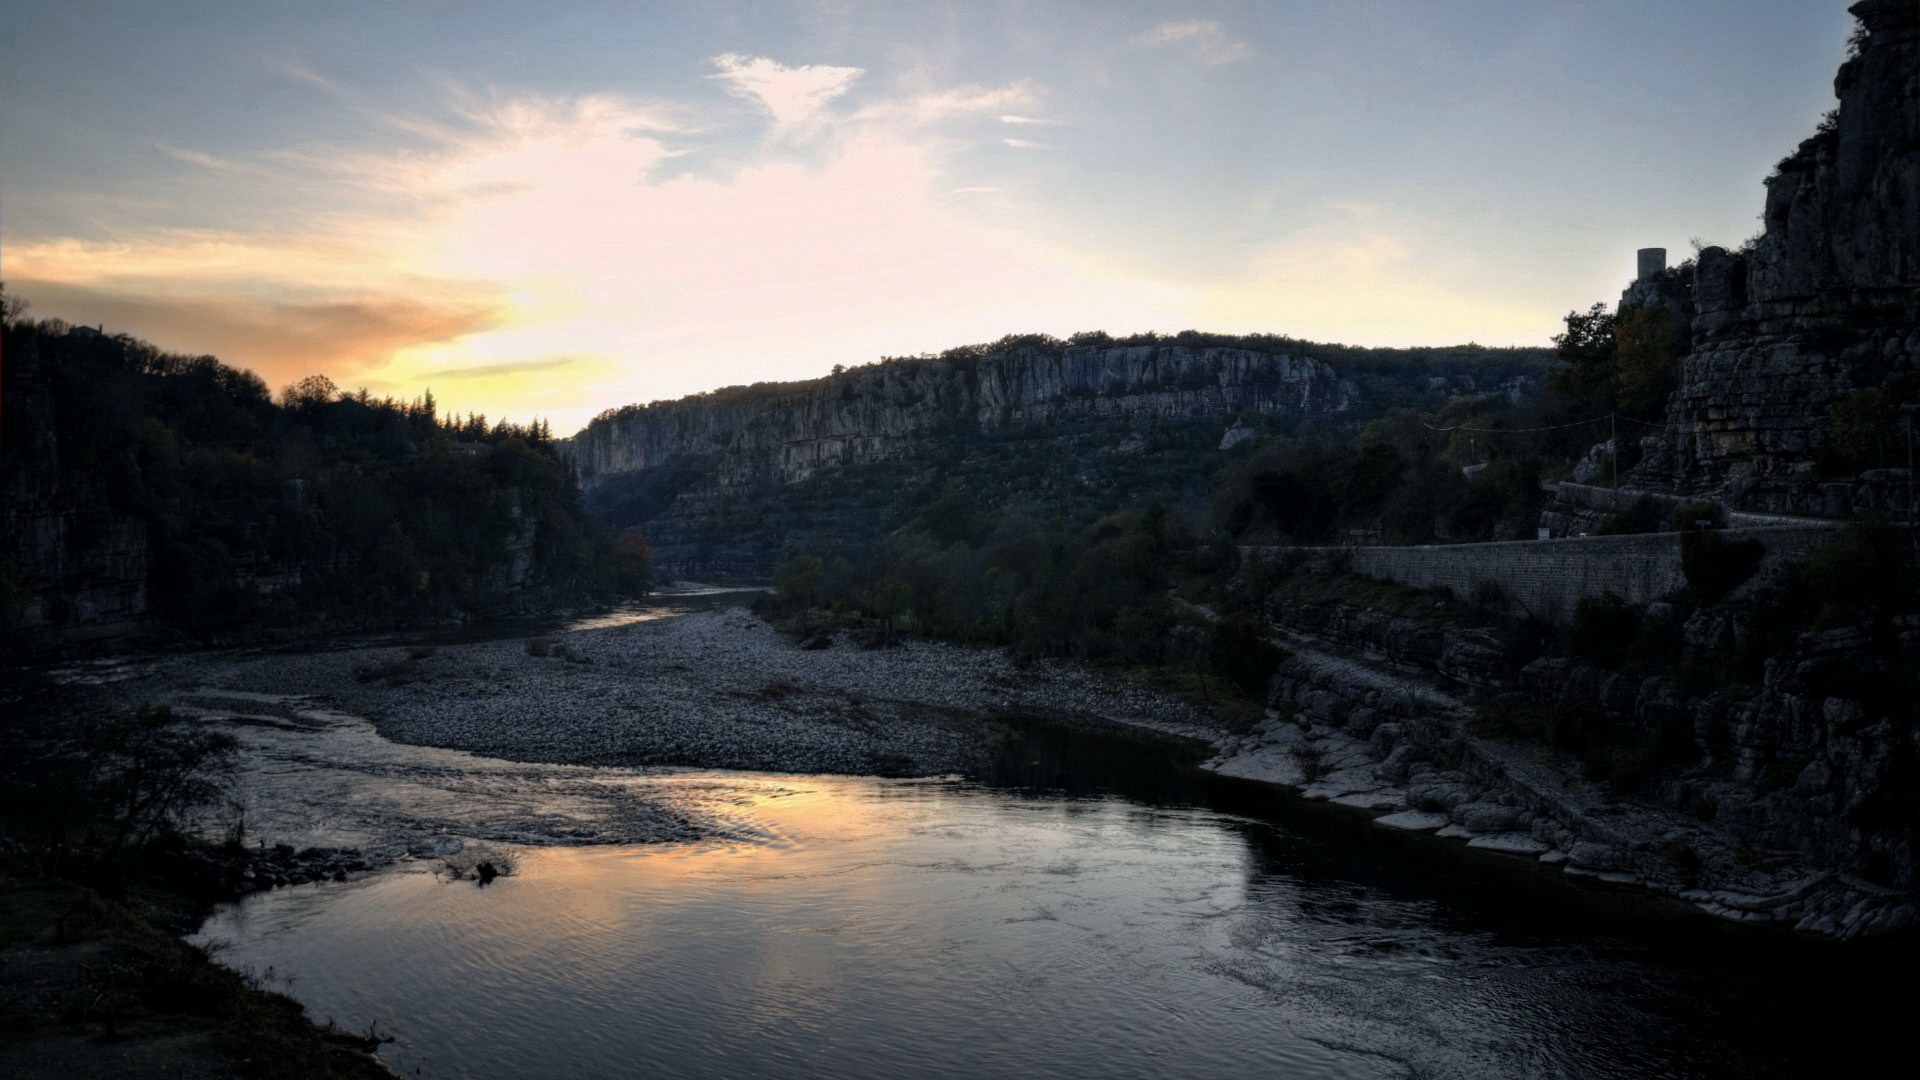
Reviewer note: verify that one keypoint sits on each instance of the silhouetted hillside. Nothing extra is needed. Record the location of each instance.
(151, 493)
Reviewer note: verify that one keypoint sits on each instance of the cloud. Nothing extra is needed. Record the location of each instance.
(1207, 39)
(1024, 144)
(494, 371)
(205, 160)
(475, 246)
(335, 260)
(348, 338)
(793, 96)
(300, 72)
(953, 102)
(1015, 118)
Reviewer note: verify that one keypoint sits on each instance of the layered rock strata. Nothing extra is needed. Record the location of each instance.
(792, 432)
(1824, 303)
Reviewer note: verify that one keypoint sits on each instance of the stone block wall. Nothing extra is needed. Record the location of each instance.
(1549, 578)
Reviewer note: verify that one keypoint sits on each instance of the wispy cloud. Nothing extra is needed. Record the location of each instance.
(793, 96)
(1208, 41)
(1017, 119)
(957, 101)
(495, 371)
(1024, 144)
(300, 72)
(205, 160)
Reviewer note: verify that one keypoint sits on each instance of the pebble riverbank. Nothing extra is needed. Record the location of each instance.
(713, 689)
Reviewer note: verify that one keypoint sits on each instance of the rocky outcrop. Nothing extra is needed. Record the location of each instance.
(80, 570)
(1784, 802)
(790, 432)
(1824, 303)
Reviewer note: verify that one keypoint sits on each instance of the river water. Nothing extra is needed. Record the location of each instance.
(1088, 908)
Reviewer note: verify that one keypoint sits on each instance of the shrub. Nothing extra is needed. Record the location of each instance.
(1603, 631)
(1491, 595)
(1640, 517)
(1241, 652)
(1715, 566)
(1859, 573)
(1694, 514)
(118, 787)
(1680, 853)
(1510, 716)
(1577, 729)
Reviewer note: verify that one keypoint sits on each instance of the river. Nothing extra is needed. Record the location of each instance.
(1086, 908)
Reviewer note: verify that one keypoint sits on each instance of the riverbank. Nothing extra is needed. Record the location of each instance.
(1384, 740)
(97, 987)
(712, 689)
(723, 689)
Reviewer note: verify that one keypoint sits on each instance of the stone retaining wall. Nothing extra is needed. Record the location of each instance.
(1549, 578)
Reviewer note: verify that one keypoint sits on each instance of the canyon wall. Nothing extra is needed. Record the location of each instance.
(790, 432)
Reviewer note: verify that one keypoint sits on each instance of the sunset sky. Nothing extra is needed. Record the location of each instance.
(550, 209)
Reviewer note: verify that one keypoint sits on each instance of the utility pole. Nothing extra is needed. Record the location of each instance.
(1613, 444)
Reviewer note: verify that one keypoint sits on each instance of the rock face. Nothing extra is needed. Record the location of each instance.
(1826, 301)
(729, 483)
(1787, 801)
(791, 432)
(84, 568)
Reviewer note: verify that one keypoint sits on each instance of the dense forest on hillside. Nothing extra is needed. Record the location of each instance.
(181, 486)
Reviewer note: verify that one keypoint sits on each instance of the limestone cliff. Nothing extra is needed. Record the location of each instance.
(876, 413)
(1824, 303)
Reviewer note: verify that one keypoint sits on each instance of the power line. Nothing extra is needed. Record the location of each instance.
(1526, 430)
(1645, 423)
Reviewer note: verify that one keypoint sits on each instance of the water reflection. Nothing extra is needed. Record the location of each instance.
(1089, 907)
(946, 928)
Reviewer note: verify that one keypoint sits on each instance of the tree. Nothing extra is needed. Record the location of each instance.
(633, 554)
(1647, 348)
(1587, 380)
(953, 517)
(309, 393)
(798, 582)
(12, 307)
(149, 770)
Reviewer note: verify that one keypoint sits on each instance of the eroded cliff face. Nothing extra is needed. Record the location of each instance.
(878, 413)
(1825, 303)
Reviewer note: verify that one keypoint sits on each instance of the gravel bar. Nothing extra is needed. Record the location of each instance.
(712, 689)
